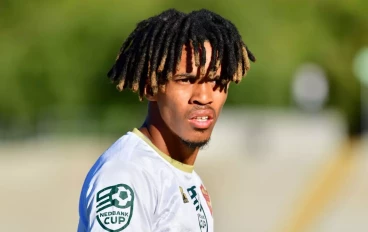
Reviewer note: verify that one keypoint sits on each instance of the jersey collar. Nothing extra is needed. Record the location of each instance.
(179, 165)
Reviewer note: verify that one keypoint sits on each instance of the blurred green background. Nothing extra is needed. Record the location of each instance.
(290, 161)
(54, 56)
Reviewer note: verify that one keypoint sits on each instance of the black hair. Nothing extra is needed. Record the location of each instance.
(152, 52)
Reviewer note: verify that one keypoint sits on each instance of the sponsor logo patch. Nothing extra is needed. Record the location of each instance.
(184, 196)
(114, 207)
(207, 197)
(202, 219)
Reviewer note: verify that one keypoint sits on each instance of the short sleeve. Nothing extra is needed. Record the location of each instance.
(119, 197)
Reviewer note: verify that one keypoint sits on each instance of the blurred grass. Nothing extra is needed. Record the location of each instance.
(55, 54)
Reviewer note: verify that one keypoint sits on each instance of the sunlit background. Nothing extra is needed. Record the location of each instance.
(289, 153)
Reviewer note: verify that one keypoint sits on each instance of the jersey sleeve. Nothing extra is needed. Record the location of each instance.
(118, 198)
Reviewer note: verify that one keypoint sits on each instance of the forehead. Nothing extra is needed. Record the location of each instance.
(187, 49)
(188, 59)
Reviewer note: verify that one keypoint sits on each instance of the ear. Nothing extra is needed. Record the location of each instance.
(148, 93)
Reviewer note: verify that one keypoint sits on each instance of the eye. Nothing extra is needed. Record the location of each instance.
(186, 80)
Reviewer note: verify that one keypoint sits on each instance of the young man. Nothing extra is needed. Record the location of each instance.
(182, 64)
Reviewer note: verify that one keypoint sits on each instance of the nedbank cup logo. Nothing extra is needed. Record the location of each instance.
(114, 207)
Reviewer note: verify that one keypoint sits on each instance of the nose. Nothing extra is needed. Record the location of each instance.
(202, 94)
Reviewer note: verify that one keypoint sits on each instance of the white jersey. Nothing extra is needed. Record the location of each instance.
(133, 186)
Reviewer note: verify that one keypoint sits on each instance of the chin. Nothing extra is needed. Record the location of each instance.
(197, 139)
(201, 134)
(193, 144)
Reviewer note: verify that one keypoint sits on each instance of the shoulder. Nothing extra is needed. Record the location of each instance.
(118, 172)
(122, 163)
(197, 178)
(123, 156)
(113, 193)
(123, 177)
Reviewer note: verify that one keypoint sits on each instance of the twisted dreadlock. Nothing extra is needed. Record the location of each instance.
(152, 52)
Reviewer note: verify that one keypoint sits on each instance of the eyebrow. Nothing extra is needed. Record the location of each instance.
(188, 75)
(185, 75)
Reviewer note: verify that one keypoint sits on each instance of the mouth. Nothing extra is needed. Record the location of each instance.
(202, 119)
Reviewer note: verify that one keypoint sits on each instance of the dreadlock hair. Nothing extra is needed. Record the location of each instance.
(151, 54)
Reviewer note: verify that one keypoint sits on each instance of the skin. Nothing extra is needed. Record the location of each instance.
(169, 111)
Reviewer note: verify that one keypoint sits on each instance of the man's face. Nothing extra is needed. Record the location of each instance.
(190, 103)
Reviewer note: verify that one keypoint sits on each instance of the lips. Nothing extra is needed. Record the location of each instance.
(201, 119)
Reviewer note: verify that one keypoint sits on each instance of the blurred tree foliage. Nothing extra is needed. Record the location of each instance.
(54, 55)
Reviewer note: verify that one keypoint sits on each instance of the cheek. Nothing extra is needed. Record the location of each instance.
(220, 100)
(221, 97)
(171, 109)
(175, 99)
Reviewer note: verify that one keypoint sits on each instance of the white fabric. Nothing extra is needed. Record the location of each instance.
(134, 187)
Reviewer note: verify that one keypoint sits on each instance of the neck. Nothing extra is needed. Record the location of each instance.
(165, 140)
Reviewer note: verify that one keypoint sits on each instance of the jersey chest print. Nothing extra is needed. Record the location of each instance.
(114, 207)
(202, 219)
(207, 198)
